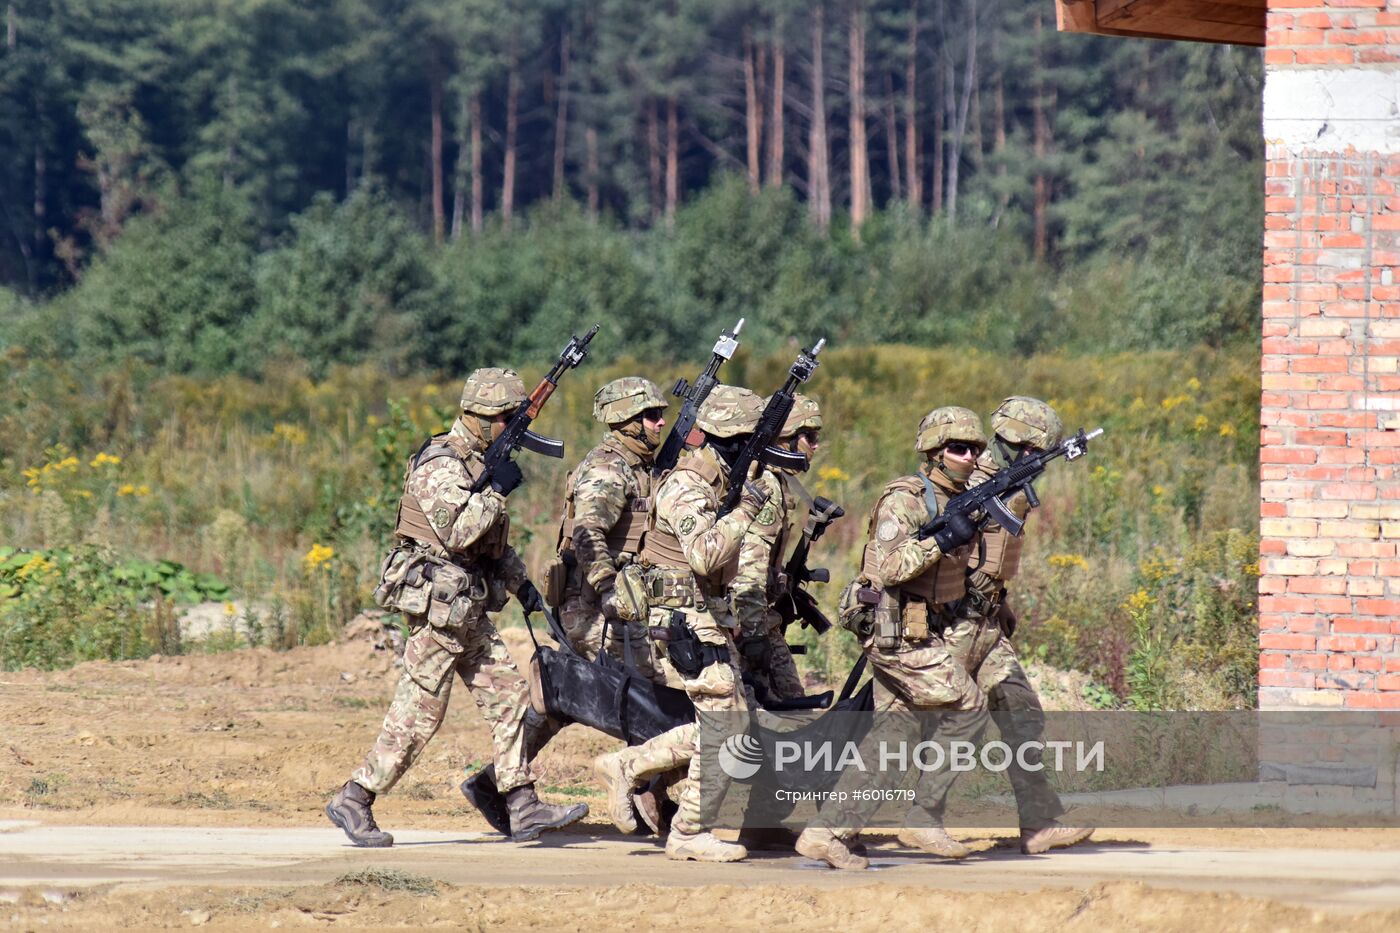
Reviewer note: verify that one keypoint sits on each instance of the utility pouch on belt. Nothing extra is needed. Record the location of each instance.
(915, 619)
(856, 612)
(556, 577)
(453, 592)
(403, 585)
(670, 589)
(888, 621)
(630, 595)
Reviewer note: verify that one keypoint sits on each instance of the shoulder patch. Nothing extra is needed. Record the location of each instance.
(441, 518)
(767, 515)
(888, 530)
(687, 525)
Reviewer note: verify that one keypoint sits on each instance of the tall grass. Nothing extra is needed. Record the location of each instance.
(1138, 569)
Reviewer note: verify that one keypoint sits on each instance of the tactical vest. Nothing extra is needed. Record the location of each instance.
(777, 580)
(661, 548)
(626, 535)
(943, 583)
(412, 522)
(1001, 555)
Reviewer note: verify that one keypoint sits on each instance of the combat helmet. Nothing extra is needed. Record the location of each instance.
(806, 413)
(729, 411)
(625, 398)
(1024, 420)
(492, 391)
(948, 424)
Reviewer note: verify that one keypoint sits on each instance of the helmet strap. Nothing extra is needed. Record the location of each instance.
(632, 433)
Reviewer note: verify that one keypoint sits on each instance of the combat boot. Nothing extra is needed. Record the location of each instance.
(825, 846)
(935, 841)
(350, 810)
(655, 806)
(775, 838)
(702, 847)
(480, 789)
(1054, 836)
(530, 816)
(609, 770)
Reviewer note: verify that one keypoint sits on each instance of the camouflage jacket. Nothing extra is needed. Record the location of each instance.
(685, 523)
(610, 487)
(893, 555)
(472, 528)
(761, 554)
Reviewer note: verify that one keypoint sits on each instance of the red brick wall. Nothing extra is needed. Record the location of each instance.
(1330, 510)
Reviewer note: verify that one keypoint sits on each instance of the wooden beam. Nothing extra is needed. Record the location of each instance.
(1238, 22)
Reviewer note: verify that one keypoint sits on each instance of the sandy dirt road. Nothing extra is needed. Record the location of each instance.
(187, 791)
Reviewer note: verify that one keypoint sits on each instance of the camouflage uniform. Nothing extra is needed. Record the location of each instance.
(607, 501)
(980, 640)
(921, 586)
(692, 557)
(443, 525)
(764, 654)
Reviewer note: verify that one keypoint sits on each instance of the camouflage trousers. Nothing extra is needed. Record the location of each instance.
(586, 624)
(717, 688)
(477, 655)
(924, 677)
(772, 667)
(982, 648)
(988, 655)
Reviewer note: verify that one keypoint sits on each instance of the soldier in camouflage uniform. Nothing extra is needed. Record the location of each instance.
(453, 564)
(692, 556)
(764, 654)
(980, 639)
(922, 582)
(607, 501)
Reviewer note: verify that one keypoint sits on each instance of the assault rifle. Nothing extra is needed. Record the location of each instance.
(796, 604)
(988, 499)
(517, 433)
(759, 447)
(694, 395)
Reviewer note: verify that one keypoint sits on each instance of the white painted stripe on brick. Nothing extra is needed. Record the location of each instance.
(1331, 109)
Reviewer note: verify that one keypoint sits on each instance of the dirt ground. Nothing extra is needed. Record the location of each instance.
(188, 791)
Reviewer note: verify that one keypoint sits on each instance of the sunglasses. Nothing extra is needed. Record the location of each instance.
(958, 449)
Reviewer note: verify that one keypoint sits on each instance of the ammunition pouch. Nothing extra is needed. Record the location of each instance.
(688, 654)
(556, 578)
(671, 588)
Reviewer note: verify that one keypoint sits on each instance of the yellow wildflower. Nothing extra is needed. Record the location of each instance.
(831, 474)
(143, 490)
(1138, 405)
(126, 489)
(290, 433)
(1193, 384)
(318, 556)
(1138, 602)
(104, 459)
(1060, 561)
(1227, 430)
(36, 564)
(1201, 423)
(1159, 490)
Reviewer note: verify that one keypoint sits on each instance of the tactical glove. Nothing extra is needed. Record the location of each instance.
(958, 531)
(506, 478)
(530, 599)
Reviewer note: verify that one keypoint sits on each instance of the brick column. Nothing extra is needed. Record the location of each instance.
(1329, 606)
